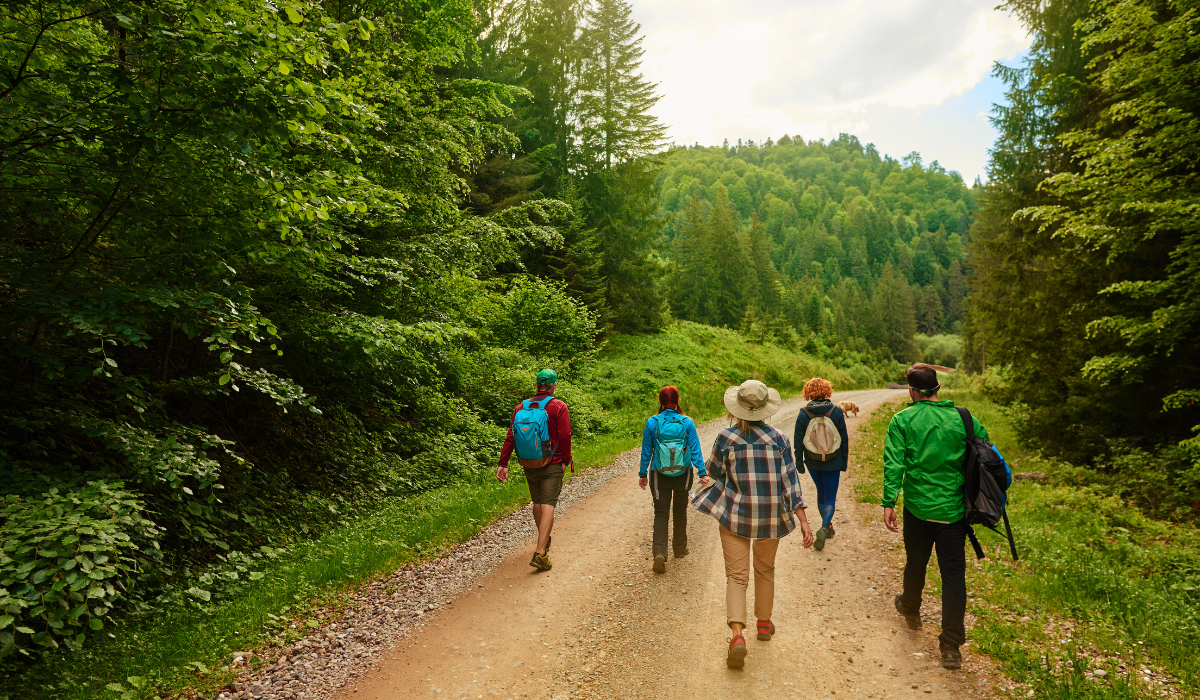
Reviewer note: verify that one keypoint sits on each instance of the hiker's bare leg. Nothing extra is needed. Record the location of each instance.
(737, 628)
(543, 517)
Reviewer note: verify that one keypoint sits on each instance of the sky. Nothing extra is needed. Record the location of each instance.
(906, 75)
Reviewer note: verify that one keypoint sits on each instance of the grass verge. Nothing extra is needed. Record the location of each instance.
(164, 656)
(1104, 603)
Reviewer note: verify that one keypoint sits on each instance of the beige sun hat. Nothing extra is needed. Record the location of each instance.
(752, 400)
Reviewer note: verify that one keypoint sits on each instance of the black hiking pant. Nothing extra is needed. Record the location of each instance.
(670, 495)
(950, 539)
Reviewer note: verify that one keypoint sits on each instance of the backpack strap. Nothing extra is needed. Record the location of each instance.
(968, 424)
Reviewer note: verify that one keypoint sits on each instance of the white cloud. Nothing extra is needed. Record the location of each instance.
(751, 69)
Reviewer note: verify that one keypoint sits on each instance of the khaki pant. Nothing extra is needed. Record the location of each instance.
(737, 575)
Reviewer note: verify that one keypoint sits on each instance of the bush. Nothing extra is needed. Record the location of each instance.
(66, 559)
(538, 318)
(941, 349)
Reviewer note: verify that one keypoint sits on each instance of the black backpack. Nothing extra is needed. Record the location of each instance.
(983, 473)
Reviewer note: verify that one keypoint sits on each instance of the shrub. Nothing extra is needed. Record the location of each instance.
(66, 559)
(941, 349)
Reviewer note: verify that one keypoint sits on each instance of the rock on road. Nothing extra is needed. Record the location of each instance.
(602, 625)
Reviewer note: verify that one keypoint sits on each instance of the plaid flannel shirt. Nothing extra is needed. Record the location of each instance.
(756, 488)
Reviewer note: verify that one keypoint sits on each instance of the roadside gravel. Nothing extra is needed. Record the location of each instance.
(390, 609)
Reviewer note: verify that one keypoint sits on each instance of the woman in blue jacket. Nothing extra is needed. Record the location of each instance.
(826, 469)
(670, 450)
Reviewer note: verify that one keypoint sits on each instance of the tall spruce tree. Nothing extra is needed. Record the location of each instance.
(614, 98)
(689, 278)
(730, 269)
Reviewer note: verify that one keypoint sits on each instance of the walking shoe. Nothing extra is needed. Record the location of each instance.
(828, 531)
(541, 562)
(914, 621)
(681, 553)
(951, 657)
(660, 563)
(766, 629)
(819, 542)
(737, 652)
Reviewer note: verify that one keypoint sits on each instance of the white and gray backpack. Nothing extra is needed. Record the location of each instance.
(821, 439)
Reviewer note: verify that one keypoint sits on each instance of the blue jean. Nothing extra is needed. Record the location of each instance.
(827, 486)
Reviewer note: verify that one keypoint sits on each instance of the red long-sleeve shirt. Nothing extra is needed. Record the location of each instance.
(559, 425)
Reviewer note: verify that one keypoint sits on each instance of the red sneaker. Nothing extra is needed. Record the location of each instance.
(766, 629)
(737, 652)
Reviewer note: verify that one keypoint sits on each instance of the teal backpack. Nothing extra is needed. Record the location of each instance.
(670, 444)
(531, 434)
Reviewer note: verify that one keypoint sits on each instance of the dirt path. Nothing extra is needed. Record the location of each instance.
(602, 625)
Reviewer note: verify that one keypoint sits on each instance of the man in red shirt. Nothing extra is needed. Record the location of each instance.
(545, 483)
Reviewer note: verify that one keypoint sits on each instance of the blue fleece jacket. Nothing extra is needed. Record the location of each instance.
(650, 459)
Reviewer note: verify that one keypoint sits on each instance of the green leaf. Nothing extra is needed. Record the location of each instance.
(96, 624)
(6, 620)
(312, 623)
(285, 67)
(293, 15)
(24, 630)
(223, 380)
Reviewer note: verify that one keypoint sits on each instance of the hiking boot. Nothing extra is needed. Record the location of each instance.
(914, 621)
(660, 563)
(828, 532)
(541, 562)
(766, 629)
(819, 542)
(951, 657)
(737, 652)
(681, 553)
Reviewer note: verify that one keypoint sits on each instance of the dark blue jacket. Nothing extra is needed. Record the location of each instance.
(822, 407)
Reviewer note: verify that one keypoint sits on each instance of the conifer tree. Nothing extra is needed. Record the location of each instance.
(765, 282)
(729, 277)
(690, 264)
(893, 302)
(614, 99)
(578, 262)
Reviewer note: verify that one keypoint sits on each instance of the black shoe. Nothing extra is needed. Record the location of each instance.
(829, 530)
(914, 621)
(541, 562)
(951, 657)
(660, 563)
(681, 553)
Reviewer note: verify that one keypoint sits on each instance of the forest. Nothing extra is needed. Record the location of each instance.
(269, 268)
(856, 253)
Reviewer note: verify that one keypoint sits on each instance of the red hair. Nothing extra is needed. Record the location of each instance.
(817, 388)
(668, 397)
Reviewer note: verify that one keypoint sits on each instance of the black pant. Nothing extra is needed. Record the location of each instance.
(663, 489)
(920, 537)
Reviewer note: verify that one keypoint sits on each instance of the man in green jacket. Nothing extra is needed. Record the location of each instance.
(923, 456)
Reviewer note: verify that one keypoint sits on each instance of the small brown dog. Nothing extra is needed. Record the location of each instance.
(848, 407)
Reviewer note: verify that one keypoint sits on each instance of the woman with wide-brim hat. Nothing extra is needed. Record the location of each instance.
(753, 491)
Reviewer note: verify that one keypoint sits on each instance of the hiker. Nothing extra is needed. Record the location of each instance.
(540, 433)
(823, 446)
(753, 490)
(670, 449)
(924, 456)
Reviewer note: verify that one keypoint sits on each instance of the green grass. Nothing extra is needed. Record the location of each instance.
(702, 362)
(1099, 585)
(161, 653)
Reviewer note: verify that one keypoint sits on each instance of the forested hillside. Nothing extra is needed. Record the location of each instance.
(857, 251)
(1087, 245)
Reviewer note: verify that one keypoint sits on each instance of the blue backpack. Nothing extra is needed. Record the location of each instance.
(531, 434)
(670, 445)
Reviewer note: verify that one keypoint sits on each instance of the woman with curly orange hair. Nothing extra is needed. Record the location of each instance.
(823, 446)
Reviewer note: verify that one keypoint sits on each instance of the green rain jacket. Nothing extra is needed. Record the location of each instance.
(923, 455)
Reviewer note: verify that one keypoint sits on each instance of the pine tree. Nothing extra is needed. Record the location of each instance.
(730, 269)
(578, 262)
(765, 282)
(893, 302)
(689, 278)
(615, 100)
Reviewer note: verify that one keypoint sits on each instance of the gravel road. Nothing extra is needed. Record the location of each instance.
(482, 623)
